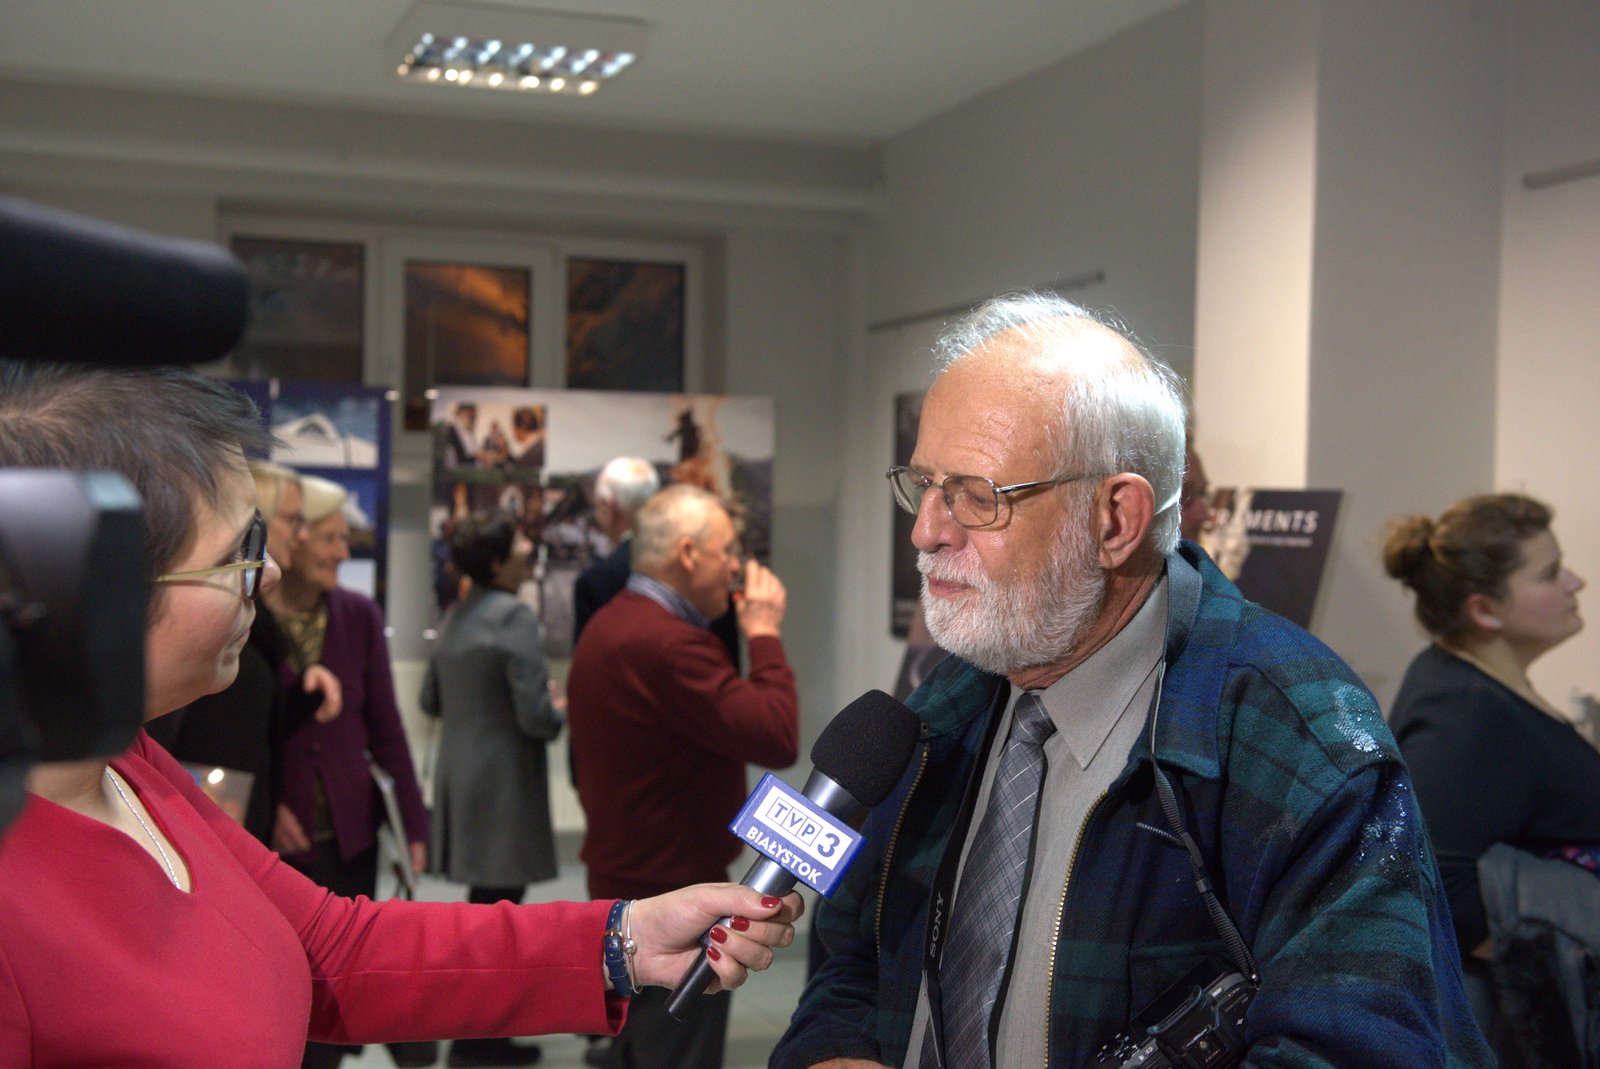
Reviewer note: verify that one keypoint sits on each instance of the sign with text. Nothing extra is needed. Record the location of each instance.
(1273, 544)
(789, 828)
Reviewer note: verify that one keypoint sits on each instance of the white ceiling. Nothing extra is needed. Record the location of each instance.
(847, 70)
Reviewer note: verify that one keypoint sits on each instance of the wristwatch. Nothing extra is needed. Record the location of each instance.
(619, 950)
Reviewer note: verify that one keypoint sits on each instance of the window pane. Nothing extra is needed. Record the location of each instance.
(624, 325)
(305, 310)
(466, 325)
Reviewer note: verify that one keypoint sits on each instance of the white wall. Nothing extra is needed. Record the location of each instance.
(1258, 188)
(1404, 289)
(1548, 372)
(1089, 165)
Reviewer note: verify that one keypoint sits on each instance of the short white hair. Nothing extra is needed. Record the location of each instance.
(270, 480)
(679, 510)
(1121, 410)
(321, 498)
(627, 483)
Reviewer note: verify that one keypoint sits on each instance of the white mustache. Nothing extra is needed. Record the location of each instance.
(948, 568)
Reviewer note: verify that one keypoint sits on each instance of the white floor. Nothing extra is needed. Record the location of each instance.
(761, 1007)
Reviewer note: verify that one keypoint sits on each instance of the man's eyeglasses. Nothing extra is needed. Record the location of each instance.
(254, 551)
(973, 500)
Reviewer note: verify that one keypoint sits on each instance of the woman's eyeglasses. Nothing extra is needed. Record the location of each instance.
(254, 551)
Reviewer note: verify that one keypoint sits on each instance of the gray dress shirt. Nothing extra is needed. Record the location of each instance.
(1098, 709)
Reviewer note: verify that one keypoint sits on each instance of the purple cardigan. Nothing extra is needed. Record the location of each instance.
(356, 652)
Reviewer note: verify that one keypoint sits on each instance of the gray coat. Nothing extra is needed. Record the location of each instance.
(486, 680)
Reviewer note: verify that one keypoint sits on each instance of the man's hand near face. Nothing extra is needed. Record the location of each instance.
(760, 605)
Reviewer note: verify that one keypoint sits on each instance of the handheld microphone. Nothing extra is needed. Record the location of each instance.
(856, 762)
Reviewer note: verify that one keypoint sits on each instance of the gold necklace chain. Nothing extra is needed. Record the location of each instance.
(172, 873)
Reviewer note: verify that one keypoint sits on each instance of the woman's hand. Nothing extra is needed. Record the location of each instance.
(288, 837)
(745, 926)
(319, 677)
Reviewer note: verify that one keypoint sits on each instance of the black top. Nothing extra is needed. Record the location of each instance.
(244, 726)
(1489, 768)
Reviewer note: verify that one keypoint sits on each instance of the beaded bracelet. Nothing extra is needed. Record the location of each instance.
(619, 949)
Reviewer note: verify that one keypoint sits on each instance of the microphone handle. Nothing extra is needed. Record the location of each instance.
(766, 876)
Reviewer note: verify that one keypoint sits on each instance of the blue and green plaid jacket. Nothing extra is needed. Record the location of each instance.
(1296, 793)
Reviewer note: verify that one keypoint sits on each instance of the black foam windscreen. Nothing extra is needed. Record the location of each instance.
(77, 290)
(865, 748)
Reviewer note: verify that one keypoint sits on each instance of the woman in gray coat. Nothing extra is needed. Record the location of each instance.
(487, 682)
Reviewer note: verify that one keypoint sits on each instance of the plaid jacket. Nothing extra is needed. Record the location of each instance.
(1295, 791)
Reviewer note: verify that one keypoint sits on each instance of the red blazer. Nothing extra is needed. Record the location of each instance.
(103, 962)
(661, 727)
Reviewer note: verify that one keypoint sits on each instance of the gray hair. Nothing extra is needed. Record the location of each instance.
(677, 511)
(1119, 412)
(170, 431)
(626, 482)
(270, 480)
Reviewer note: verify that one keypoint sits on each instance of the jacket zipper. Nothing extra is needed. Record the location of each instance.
(894, 837)
(1061, 909)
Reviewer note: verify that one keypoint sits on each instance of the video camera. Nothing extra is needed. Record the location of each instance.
(72, 579)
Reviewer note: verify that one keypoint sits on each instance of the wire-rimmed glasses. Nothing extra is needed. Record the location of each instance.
(973, 500)
(254, 563)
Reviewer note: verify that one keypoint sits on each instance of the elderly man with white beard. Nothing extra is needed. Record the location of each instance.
(1118, 737)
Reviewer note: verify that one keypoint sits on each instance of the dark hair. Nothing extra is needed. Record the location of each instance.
(171, 431)
(482, 542)
(1471, 549)
(525, 418)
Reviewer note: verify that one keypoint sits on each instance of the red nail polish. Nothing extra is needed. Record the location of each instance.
(770, 902)
(713, 953)
(740, 924)
(719, 934)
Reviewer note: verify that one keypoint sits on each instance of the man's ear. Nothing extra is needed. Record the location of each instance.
(1124, 509)
(683, 553)
(1483, 613)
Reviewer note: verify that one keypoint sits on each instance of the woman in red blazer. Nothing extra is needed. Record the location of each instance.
(143, 926)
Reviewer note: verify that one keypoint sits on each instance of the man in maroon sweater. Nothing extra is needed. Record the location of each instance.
(662, 726)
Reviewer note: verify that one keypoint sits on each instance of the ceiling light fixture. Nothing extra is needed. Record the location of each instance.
(512, 49)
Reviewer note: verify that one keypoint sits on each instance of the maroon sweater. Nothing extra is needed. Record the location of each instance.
(661, 728)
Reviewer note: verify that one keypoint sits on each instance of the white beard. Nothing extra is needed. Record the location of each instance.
(1004, 630)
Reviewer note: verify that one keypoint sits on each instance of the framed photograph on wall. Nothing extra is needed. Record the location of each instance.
(625, 325)
(307, 309)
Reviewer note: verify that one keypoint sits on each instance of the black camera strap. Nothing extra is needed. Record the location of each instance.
(1238, 950)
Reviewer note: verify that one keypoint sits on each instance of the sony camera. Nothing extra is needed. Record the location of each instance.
(1193, 1025)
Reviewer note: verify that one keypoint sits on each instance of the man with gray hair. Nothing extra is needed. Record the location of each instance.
(1118, 735)
(621, 488)
(662, 726)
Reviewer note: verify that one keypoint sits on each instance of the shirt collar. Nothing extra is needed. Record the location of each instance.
(667, 598)
(1089, 701)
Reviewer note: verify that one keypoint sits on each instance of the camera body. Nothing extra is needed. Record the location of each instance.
(72, 617)
(1193, 1025)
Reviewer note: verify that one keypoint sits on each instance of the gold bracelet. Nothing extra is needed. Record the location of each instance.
(629, 947)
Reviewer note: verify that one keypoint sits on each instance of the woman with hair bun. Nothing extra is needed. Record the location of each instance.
(1491, 759)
